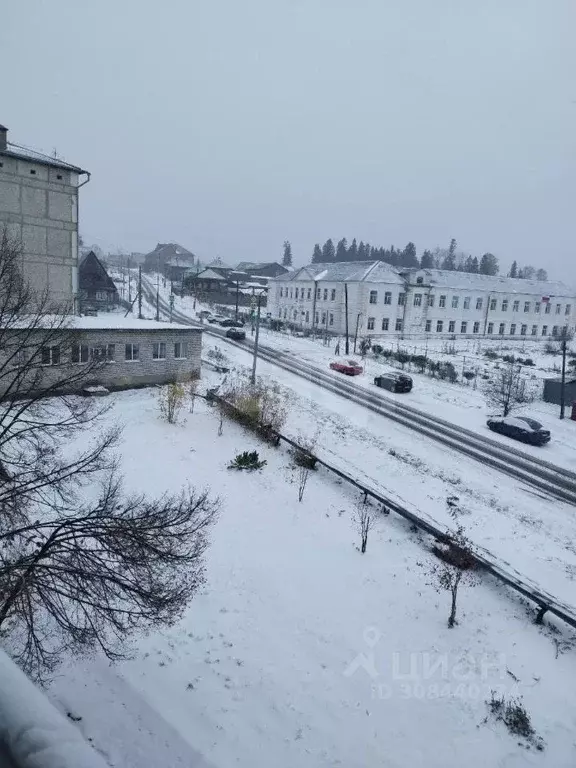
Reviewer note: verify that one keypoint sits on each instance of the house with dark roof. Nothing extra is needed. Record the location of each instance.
(171, 260)
(268, 269)
(96, 288)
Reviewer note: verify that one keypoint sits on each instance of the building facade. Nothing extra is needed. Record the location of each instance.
(96, 288)
(385, 301)
(39, 206)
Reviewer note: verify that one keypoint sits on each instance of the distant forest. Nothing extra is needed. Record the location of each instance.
(439, 258)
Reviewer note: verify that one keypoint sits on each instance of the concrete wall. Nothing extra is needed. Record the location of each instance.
(39, 204)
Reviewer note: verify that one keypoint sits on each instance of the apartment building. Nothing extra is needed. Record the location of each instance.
(385, 301)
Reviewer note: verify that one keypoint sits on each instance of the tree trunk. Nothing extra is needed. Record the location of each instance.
(454, 590)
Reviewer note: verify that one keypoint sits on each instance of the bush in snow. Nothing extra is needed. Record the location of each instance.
(170, 400)
(457, 563)
(249, 460)
(491, 355)
(402, 357)
(305, 461)
(364, 520)
(447, 371)
(260, 406)
(420, 361)
(377, 349)
(468, 375)
(508, 389)
(550, 348)
(216, 355)
(515, 717)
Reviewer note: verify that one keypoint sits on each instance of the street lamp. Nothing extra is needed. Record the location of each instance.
(256, 337)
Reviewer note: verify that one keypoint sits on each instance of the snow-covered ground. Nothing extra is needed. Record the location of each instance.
(300, 651)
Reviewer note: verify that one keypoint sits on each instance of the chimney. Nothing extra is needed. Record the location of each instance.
(3, 138)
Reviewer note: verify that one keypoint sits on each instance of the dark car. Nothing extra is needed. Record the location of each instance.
(520, 428)
(236, 333)
(229, 323)
(394, 382)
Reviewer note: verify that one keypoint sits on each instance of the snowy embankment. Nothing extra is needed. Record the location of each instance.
(300, 651)
(33, 734)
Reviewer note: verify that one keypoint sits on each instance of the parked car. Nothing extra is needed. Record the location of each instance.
(238, 334)
(520, 428)
(348, 367)
(229, 323)
(394, 382)
(215, 319)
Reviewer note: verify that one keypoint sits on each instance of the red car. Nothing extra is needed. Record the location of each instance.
(348, 367)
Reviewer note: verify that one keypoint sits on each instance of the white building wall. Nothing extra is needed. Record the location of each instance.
(384, 313)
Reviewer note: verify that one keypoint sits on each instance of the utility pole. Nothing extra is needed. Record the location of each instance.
(237, 292)
(129, 283)
(346, 317)
(139, 293)
(563, 385)
(314, 310)
(171, 305)
(253, 377)
(158, 294)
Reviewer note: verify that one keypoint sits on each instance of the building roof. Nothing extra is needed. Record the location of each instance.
(25, 153)
(248, 266)
(110, 321)
(92, 275)
(495, 284)
(346, 271)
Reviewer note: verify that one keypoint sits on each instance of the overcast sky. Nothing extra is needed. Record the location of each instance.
(231, 125)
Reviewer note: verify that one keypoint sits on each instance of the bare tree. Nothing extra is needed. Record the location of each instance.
(82, 564)
(304, 461)
(508, 389)
(170, 400)
(456, 561)
(192, 390)
(364, 519)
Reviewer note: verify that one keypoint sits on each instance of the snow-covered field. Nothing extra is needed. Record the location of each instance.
(300, 651)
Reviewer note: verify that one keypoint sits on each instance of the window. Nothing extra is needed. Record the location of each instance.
(451, 326)
(476, 327)
(323, 318)
(523, 330)
(316, 318)
(33, 172)
(555, 331)
(159, 350)
(439, 326)
(325, 294)
(399, 324)
(526, 306)
(479, 303)
(513, 329)
(331, 320)
(318, 293)
(370, 324)
(80, 353)
(490, 329)
(281, 292)
(296, 293)
(419, 280)
(417, 299)
(105, 352)
(285, 313)
(467, 302)
(534, 330)
(132, 351)
(516, 306)
(544, 330)
(568, 309)
(307, 316)
(59, 176)
(558, 308)
(181, 350)
(101, 295)
(50, 355)
(401, 299)
(373, 297)
(309, 294)
(493, 303)
(430, 299)
(428, 327)
(537, 307)
(548, 308)
(504, 305)
(455, 300)
(291, 292)
(333, 294)
(385, 323)
(501, 329)
(463, 327)
(388, 297)
(442, 302)
(564, 330)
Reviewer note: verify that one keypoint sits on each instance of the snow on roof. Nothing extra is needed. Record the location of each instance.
(25, 153)
(114, 320)
(349, 271)
(495, 284)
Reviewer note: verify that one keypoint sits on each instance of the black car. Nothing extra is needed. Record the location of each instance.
(394, 382)
(236, 333)
(520, 428)
(229, 323)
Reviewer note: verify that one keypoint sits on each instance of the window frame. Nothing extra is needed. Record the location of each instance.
(133, 346)
(183, 346)
(373, 297)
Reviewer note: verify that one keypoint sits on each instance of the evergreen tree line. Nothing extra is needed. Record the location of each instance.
(440, 258)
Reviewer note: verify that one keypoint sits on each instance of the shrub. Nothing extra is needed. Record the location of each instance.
(249, 460)
(387, 353)
(468, 375)
(447, 371)
(490, 354)
(515, 717)
(170, 400)
(217, 355)
(420, 361)
(433, 367)
(550, 348)
(377, 349)
(525, 361)
(402, 357)
(449, 349)
(508, 358)
(259, 406)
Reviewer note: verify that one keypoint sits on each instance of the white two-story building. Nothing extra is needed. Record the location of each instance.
(384, 301)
